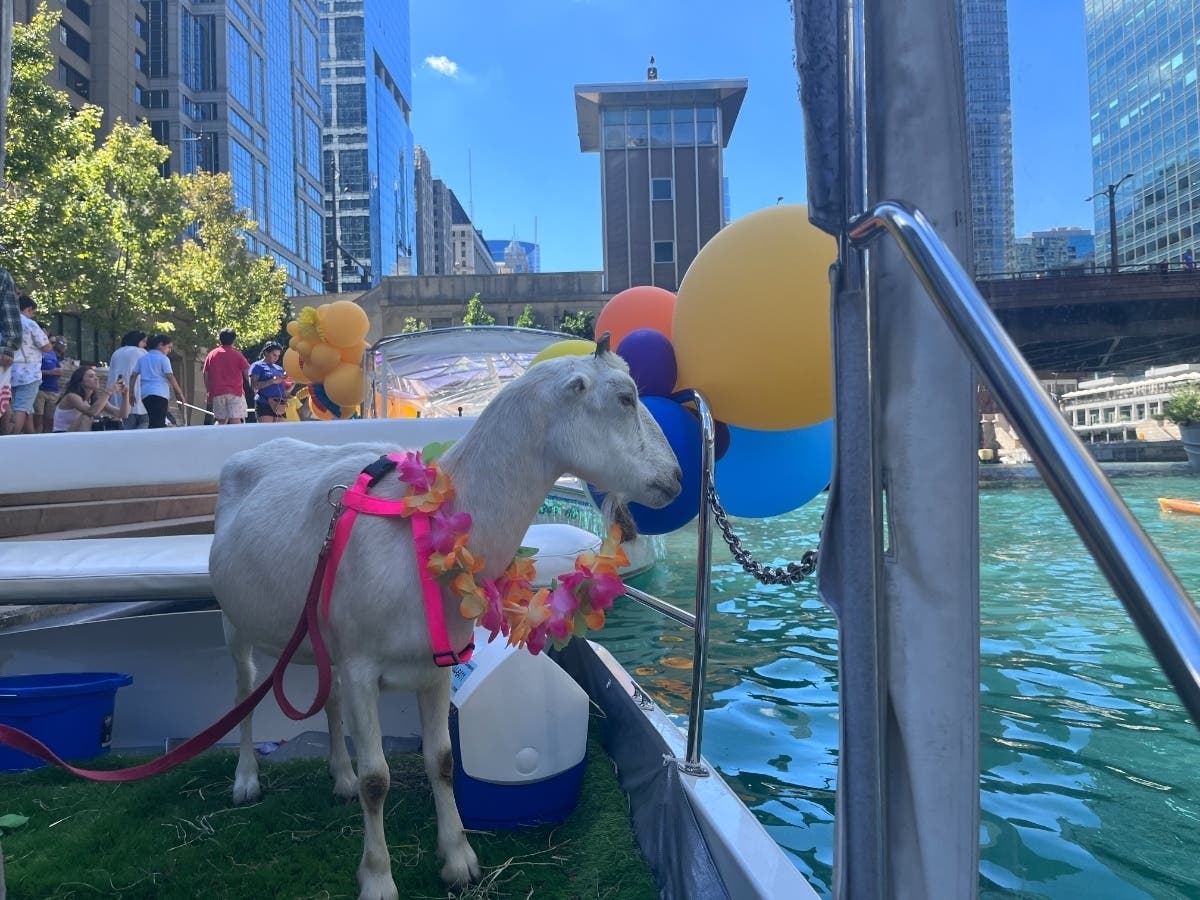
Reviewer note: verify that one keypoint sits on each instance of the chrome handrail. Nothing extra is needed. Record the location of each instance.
(1146, 586)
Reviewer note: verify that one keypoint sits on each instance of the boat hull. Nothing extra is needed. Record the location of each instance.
(1171, 504)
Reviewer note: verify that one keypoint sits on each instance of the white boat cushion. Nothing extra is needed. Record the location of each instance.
(133, 568)
(174, 567)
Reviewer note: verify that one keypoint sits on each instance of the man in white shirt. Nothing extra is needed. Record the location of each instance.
(123, 362)
(27, 368)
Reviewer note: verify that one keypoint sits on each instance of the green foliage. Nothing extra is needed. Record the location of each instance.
(213, 281)
(476, 314)
(411, 325)
(1183, 408)
(580, 324)
(528, 318)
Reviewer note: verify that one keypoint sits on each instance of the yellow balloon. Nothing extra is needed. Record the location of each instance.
(354, 353)
(325, 357)
(577, 347)
(293, 327)
(291, 366)
(751, 326)
(344, 323)
(303, 346)
(344, 385)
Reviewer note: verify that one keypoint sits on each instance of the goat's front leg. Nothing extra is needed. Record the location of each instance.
(460, 865)
(345, 785)
(246, 788)
(360, 695)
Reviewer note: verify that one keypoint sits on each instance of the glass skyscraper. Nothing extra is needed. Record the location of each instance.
(1145, 117)
(234, 87)
(989, 132)
(366, 90)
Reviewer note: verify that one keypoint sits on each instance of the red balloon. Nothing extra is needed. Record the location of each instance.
(636, 307)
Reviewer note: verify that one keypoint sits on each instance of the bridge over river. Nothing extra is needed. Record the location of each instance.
(1092, 322)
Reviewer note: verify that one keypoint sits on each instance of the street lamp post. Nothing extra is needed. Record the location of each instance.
(1111, 193)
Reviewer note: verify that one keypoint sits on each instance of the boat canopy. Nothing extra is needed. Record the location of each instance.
(448, 371)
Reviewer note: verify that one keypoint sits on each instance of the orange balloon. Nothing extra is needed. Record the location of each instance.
(325, 357)
(354, 354)
(344, 385)
(636, 307)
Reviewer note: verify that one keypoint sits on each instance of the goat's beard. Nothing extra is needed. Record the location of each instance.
(616, 512)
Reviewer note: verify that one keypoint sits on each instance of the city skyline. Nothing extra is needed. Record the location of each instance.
(471, 76)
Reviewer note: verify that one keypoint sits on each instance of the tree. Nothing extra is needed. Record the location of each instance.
(212, 279)
(411, 325)
(476, 314)
(580, 324)
(528, 318)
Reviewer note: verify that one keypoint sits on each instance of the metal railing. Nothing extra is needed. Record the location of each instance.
(1150, 592)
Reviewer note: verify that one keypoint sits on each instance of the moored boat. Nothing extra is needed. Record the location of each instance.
(1173, 504)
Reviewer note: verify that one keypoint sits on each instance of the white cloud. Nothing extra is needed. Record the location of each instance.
(443, 65)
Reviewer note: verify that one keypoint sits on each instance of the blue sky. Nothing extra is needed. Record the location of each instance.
(493, 83)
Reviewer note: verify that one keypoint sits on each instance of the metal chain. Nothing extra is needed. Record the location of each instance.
(792, 573)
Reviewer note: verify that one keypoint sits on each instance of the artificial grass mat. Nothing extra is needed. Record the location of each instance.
(178, 835)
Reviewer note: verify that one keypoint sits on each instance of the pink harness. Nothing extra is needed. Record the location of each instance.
(355, 500)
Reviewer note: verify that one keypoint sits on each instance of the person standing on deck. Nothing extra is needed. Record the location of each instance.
(124, 360)
(10, 336)
(225, 377)
(154, 376)
(27, 369)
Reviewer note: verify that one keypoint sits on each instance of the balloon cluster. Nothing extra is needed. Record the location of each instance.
(750, 331)
(325, 352)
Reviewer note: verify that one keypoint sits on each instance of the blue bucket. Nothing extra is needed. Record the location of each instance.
(70, 712)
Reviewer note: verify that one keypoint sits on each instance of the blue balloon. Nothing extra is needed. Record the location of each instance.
(683, 433)
(767, 473)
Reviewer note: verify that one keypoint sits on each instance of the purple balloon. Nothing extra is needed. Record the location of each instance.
(651, 361)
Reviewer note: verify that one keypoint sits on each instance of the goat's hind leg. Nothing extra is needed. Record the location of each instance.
(246, 787)
(345, 783)
(460, 865)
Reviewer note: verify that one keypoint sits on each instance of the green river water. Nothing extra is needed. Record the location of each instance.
(1088, 762)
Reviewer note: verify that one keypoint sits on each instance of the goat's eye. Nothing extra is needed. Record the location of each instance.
(628, 400)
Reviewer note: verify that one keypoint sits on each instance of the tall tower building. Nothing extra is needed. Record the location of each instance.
(989, 132)
(1142, 61)
(661, 177)
(366, 90)
(423, 194)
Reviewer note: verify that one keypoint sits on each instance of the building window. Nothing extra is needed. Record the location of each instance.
(74, 41)
(348, 38)
(73, 79)
(351, 105)
(660, 188)
(198, 48)
(155, 99)
(664, 251)
(81, 8)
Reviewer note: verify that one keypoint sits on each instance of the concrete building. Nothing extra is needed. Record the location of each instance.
(470, 255)
(661, 176)
(1055, 251)
(1143, 58)
(989, 132)
(366, 89)
(101, 54)
(423, 196)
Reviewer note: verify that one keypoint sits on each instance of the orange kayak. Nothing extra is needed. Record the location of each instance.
(1167, 504)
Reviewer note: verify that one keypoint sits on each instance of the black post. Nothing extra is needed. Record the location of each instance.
(1115, 259)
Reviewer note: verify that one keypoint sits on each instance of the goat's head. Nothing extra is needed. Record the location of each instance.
(599, 430)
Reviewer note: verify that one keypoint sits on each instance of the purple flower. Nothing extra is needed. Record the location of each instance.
(415, 473)
(444, 529)
(493, 616)
(606, 588)
(563, 604)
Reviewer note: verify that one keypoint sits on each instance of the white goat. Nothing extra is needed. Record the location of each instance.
(573, 414)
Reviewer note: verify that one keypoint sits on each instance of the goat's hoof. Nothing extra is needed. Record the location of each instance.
(377, 887)
(346, 789)
(246, 790)
(461, 868)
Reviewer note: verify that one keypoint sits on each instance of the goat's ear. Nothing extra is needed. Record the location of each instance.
(602, 345)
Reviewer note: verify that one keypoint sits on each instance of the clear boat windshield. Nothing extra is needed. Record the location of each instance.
(448, 371)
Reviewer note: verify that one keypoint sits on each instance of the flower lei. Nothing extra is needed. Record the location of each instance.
(509, 605)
